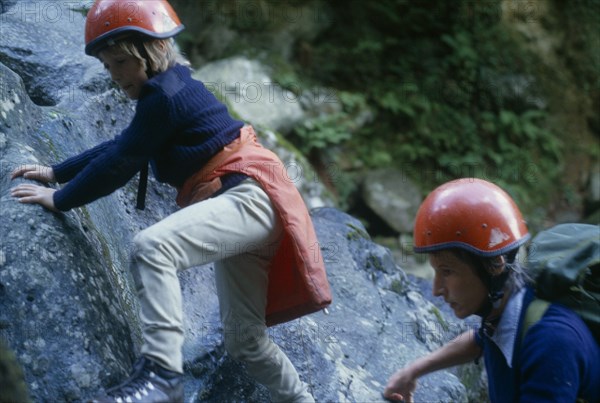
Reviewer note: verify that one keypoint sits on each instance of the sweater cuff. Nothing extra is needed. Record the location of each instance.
(59, 201)
(62, 173)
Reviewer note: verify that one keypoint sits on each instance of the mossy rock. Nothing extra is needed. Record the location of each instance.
(12, 383)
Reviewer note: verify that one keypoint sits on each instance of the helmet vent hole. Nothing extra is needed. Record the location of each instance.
(458, 233)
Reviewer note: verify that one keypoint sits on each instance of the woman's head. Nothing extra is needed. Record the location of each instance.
(467, 281)
(475, 223)
(457, 281)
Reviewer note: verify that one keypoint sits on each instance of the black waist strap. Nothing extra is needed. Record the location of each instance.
(142, 186)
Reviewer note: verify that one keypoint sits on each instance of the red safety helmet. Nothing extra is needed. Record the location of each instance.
(109, 19)
(471, 214)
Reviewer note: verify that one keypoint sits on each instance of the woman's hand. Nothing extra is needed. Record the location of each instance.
(29, 193)
(401, 386)
(35, 172)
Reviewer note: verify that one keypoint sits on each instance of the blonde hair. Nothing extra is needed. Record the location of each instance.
(161, 53)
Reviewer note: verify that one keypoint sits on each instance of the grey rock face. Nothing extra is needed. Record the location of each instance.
(252, 94)
(393, 197)
(380, 321)
(63, 316)
(52, 67)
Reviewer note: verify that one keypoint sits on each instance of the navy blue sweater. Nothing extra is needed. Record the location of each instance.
(558, 361)
(178, 126)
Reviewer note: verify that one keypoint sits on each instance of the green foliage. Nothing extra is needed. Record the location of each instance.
(321, 132)
(333, 128)
(583, 28)
(453, 95)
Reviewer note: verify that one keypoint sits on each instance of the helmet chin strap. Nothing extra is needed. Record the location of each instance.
(497, 288)
(495, 292)
(493, 301)
(495, 284)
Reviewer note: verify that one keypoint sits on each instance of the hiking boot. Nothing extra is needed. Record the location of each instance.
(147, 383)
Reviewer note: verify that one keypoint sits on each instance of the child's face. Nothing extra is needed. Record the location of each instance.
(125, 70)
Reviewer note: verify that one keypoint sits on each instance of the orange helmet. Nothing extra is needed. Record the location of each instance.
(471, 214)
(110, 19)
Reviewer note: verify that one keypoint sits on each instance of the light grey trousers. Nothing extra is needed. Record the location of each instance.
(240, 231)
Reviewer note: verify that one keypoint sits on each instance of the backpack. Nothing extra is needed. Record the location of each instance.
(565, 263)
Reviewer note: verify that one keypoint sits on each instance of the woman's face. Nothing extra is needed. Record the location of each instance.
(458, 283)
(125, 70)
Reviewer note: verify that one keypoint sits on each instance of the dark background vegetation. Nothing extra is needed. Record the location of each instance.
(508, 91)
